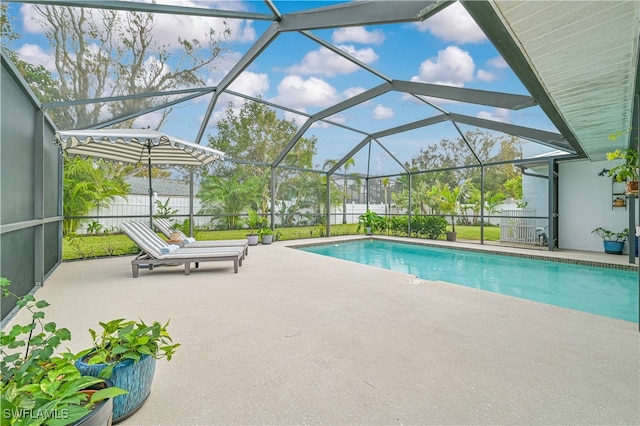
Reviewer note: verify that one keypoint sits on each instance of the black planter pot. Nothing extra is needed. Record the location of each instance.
(102, 413)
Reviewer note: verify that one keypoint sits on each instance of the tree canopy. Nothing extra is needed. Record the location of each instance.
(103, 53)
(256, 136)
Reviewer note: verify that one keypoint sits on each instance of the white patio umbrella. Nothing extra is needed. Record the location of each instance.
(136, 146)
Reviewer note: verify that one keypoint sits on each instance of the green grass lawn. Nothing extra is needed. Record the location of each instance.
(89, 246)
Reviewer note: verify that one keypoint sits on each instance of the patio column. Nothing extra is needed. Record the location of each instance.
(273, 197)
(328, 207)
(410, 207)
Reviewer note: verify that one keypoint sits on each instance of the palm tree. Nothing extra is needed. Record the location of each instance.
(345, 166)
(228, 196)
(493, 200)
(88, 185)
(448, 200)
(474, 197)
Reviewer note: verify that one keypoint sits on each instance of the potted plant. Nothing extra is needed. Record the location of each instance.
(627, 171)
(266, 235)
(253, 221)
(368, 221)
(38, 387)
(126, 352)
(613, 241)
(448, 200)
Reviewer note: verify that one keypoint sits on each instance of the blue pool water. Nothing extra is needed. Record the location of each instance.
(603, 291)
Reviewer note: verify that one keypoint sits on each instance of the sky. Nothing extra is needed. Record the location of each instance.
(296, 72)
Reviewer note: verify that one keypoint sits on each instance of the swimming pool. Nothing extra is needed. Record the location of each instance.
(603, 291)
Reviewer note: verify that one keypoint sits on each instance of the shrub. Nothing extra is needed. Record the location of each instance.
(431, 227)
(371, 220)
(398, 224)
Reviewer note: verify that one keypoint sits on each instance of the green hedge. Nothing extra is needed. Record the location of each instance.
(91, 246)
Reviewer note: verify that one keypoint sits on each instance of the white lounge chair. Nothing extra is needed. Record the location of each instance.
(155, 251)
(167, 228)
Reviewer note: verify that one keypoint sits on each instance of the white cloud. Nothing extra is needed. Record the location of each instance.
(34, 54)
(497, 62)
(152, 68)
(357, 35)
(150, 120)
(248, 83)
(251, 84)
(222, 68)
(381, 112)
(298, 93)
(498, 114)
(29, 24)
(453, 24)
(339, 118)
(353, 91)
(167, 27)
(298, 119)
(325, 62)
(452, 67)
(485, 76)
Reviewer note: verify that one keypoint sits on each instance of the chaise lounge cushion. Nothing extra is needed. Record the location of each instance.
(155, 251)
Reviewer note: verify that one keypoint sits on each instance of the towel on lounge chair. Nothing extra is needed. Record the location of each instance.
(153, 251)
(169, 249)
(167, 228)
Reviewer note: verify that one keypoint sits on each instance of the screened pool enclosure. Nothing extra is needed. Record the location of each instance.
(467, 110)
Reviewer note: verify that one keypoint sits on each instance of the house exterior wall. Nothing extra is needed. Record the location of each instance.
(585, 203)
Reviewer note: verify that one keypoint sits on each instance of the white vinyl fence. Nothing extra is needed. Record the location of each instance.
(124, 209)
(516, 228)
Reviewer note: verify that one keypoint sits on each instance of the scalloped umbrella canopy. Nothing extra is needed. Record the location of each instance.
(135, 146)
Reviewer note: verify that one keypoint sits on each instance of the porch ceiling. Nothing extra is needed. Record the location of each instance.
(582, 55)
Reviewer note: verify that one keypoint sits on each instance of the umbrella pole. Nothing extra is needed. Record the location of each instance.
(191, 201)
(150, 190)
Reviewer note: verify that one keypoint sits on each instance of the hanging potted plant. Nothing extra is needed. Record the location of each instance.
(38, 387)
(627, 171)
(126, 352)
(613, 241)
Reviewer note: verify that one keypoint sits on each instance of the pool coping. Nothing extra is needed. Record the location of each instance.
(484, 249)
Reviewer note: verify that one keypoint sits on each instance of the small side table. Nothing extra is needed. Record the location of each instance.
(176, 242)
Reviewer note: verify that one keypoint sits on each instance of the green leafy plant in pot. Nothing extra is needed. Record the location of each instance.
(369, 221)
(448, 201)
(253, 221)
(627, 170)
(266, 235)
(126, 353)
(613, 241)
(40, 387)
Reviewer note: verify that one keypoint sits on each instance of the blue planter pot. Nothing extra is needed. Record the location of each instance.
(135, 378)
(613, 247)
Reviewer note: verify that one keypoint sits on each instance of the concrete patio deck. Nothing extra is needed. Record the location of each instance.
(297, 338)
